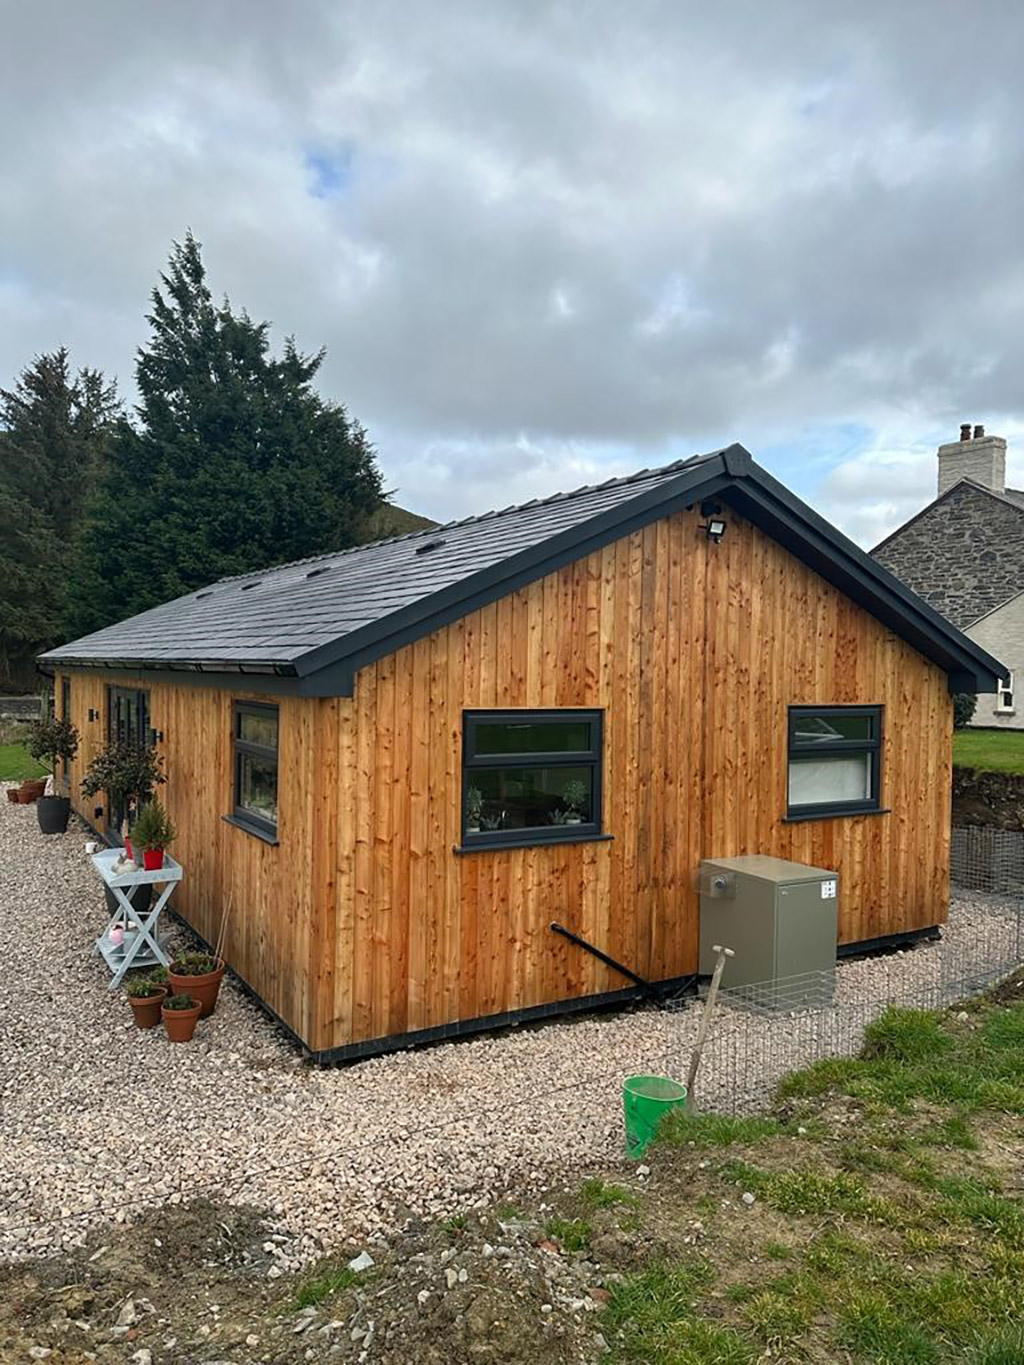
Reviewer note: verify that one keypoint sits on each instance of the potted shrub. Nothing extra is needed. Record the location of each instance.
(51, 742)
(180, 1014)
(126, 773)
(146, 997)
(152, 833)
(198, 975)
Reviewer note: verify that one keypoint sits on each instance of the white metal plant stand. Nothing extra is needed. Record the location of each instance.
(141, 946)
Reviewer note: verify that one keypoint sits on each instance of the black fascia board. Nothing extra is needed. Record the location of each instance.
(420, 618)
(799, 529)
(232, 679)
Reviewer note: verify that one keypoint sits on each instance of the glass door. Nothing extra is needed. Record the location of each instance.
(128, 723)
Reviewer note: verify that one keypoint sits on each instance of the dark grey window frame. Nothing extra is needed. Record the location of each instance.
(244, 819)
(593, 758)
(845, 747)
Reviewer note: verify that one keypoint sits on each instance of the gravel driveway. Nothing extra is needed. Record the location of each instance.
(98, 1119)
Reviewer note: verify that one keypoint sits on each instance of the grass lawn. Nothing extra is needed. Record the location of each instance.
(16, 764)
(996, 751)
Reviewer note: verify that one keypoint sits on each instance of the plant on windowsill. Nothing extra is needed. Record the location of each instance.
(180, 1014)
(153, 832)
(492, 822)
(574, 801)
(474, 809)
(51, 742)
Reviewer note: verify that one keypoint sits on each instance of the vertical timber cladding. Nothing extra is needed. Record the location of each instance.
(273, 889)
(695, 651)
(363, 922)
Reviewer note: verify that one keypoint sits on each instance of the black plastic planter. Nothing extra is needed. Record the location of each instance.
(53, 812)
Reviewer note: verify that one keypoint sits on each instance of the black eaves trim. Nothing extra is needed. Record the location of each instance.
(254, 830)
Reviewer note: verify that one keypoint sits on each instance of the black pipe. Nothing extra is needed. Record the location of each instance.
(645, 986)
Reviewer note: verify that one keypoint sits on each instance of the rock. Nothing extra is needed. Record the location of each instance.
(451, 1276)
(643, 1171)
(364, 1261)
(143, 1357)
(128, 1316)
(748, 1198)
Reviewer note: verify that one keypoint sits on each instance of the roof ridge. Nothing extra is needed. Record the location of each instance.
(637, 477)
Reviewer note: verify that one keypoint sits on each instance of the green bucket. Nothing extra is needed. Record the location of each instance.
(647, 1099)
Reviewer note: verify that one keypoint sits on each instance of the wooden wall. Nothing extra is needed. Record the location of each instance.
(365, 922)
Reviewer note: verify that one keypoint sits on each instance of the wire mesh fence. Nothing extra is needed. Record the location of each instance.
(766, 1029)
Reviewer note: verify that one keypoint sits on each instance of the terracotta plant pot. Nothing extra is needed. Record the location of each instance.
(180, 1024)
(12, 795)
(152, 859)
(205, 989)
(25, 798)
(34, 786)
(146, 1008)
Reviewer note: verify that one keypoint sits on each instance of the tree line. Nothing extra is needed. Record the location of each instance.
(229, 461)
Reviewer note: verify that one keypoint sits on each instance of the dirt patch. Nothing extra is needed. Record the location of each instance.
(988, 799)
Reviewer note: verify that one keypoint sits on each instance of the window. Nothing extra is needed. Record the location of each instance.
(531, 777)
(256, 767)
(1004, 696)
(834, 759)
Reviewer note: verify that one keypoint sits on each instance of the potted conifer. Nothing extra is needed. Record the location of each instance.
(127, 775)
(151, 835)
(52, 741)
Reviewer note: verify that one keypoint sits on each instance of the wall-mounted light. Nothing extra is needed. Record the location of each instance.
(93, 713)
(714, 527)
(156, 737)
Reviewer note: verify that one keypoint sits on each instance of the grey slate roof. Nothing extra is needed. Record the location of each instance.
(963, 553)
(274, 617)
(314, 623)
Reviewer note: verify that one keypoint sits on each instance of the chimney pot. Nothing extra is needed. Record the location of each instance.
(977, 457)
(965, 431)
(979, 432)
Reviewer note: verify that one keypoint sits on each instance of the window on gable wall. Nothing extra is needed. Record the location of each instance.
(531, 777)
(1004, 696)
(835, 760)
(256, 731)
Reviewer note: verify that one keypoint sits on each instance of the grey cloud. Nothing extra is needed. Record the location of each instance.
(570, 238)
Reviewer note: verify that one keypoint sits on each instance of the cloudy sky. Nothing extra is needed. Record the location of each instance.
(549, 243)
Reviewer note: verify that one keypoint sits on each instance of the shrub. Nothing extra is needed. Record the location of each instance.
(51, 740)
(143, 987)
(964, 705)
(127, 774)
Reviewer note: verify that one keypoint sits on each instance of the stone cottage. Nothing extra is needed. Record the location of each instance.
(964, 554)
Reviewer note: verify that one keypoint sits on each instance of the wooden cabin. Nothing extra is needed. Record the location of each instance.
(405, 761)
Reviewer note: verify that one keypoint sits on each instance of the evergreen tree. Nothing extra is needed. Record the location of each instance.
(54, 431)
(235, 463)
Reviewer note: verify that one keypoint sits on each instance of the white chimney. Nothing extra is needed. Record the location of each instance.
(975, 456)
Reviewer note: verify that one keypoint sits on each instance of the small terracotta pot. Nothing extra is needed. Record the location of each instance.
(146, 1008)
(180, 1024)
(205, 989)
(25, 798)
(152, 859)
(12, 795)
(34, 786)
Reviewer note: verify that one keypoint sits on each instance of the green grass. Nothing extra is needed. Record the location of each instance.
(324, 1284)
(994, 751)
(714, 1130)
(600, 1194)
(573, 1234)
(655, 1316)
(16, 764)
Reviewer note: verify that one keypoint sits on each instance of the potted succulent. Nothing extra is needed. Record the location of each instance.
(180, 1014)
(198, 975)
(152, 833)
(51, 742)
(146, 997)
(474, 809)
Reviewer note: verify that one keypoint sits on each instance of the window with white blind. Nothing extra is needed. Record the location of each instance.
(835, 760)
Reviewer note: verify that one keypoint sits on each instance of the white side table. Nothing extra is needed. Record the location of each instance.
(141, 946)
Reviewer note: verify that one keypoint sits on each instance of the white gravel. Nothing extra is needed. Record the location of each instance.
(99, 1120)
